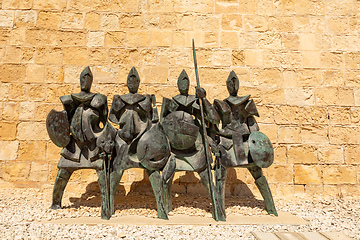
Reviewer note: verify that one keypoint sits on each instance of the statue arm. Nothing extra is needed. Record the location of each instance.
(115, 110)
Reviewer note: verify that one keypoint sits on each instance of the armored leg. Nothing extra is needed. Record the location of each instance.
(264, 189)
(167, 194)
(206, 180)
(105, 201)
(220, 177)
(61, 181)
(115, 178)
(156, 184)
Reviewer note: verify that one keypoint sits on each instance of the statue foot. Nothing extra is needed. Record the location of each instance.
(55, 207)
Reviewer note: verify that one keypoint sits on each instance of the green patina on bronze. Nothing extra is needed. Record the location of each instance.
(179, 139)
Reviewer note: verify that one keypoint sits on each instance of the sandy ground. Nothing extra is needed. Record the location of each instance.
(22, 210)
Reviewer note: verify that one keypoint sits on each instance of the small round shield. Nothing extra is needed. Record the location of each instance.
(261, 149)
(180, 129)
(58, 128)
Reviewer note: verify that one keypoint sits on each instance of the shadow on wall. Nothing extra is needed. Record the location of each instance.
(187, 191)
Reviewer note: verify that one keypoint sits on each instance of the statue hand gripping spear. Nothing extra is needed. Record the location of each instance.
(217, 215)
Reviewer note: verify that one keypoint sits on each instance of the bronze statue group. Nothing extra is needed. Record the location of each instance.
(181, 139)
(190, 134)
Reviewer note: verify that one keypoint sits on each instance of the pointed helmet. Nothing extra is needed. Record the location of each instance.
(232, 84)
(183, 83)
(86, 79)
(133, 80)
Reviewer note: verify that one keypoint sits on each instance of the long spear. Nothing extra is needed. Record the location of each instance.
(205, 141)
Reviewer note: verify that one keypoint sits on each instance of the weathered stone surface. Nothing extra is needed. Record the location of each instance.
(9, 150)
(307, 174)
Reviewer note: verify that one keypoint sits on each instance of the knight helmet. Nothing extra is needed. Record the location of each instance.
(86, 79)
(232, 84)
(183, 83)
(133, 80)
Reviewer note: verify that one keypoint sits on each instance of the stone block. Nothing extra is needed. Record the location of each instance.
(161, 38)
(314, 134)
(269, 40)
(299, 97)
(280, 173)
(331, 155)
(8, 130)
(221, 7)
(32, 150)
(339, 115)
(255, 23)
(27, 111)
(210, 39)
(39, 171)
(139, 38)
(168, 21)
(289, 134)
(304, 174)
(231, 22)
(49, 55)
(334, 174)
(98, 56)
(272, 95)
(115, 38)
(15, 171)
(11, 111)
(350, 191)
(311, 59)
(302, 154)
(52, 152)
(9, 150)
(96, 39)
(352, 155)
(109, 21)
(75, 56)
(92, 21)
(307, 41)
(48, 20)
(338, 25)
(281, 24)
(290, 41)
(36, 92)
(155, 74)
(310, 7)
(131, 21)
(49, 4)
(16, 4)
(129, 57)
(332, 59)
(54, 74)
(352, 61)
(254, 57)
(335, 78)
(344, 135)
(16, 92)
(89, 175)
(155, 6)
(32, 131)
(238, 57)
(229, 40)
(267, 77)
(12, 73)
(71, 38)
(284, 7)
(314, 190)
(202, 6)
(25, 17)
(35, 73)
(73, 20)
(196, 35)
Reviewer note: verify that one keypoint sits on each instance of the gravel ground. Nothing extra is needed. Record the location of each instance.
(22, 209)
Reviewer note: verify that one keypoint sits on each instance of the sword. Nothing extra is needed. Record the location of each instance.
(205, 141)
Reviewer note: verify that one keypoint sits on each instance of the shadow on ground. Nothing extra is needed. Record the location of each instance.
(141, 196)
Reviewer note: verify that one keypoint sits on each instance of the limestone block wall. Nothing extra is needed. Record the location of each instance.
(299, 59)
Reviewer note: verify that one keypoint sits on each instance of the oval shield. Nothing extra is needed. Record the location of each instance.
(58, 128)
(261, 149)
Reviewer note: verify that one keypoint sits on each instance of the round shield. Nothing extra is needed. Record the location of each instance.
(58, 128)
(180, 129)
(261, 149)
